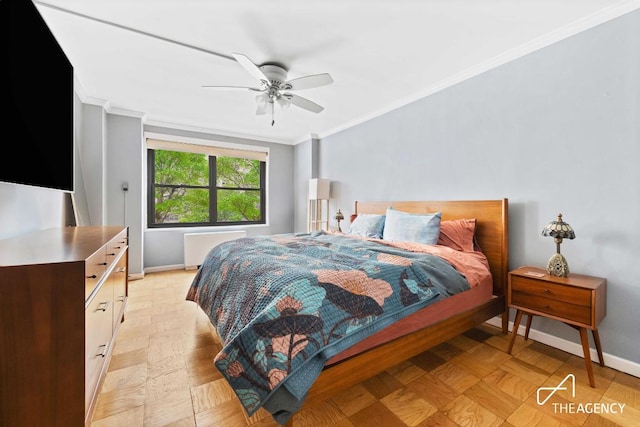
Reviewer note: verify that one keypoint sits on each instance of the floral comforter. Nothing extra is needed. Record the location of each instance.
(285, 304)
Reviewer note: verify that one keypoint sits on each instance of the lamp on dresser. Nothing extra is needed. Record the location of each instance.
(559, 230)
(318, 209)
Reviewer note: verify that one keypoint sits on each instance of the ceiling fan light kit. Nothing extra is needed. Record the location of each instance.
(274, 83)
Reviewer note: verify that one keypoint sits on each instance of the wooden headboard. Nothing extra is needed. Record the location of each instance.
(492, 229)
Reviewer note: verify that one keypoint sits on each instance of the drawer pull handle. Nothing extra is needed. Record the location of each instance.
(93, 276)
(546, 306)
(103, 352)
(546, 291)
(102, 263)
(111, 254)
(103, 306)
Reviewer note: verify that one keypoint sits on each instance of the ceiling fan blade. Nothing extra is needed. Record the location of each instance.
(234, 88)
(251, 68)
(303, 103)
(308, 82)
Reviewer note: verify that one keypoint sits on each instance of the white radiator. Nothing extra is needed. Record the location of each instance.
(198, 245)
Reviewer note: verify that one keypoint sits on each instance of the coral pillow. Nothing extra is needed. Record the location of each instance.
(458, 234)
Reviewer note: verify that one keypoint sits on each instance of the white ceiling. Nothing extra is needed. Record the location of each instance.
(381, 54)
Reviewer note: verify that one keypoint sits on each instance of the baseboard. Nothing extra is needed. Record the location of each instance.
(164, 268)
(610, 360)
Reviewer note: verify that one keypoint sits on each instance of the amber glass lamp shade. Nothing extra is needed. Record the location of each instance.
(559, 230)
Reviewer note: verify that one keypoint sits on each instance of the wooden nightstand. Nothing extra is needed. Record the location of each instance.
(577, 300)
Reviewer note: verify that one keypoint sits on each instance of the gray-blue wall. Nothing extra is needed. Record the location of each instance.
(555, 131)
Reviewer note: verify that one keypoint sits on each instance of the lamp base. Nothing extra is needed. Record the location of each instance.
(558, 266)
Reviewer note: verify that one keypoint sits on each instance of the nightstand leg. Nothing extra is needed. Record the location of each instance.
(514, 332)
(526, 333)
(587, 357)
(596, 339)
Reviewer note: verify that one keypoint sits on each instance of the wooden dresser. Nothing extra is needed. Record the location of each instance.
(63, 293)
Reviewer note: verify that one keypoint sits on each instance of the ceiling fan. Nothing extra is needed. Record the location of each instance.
(274, 87)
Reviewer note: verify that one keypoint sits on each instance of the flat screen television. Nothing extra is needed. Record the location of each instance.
(36, 92)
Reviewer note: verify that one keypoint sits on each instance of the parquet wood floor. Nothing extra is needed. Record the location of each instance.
(162, 374)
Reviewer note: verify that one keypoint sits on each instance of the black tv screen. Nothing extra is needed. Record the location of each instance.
(36, 91)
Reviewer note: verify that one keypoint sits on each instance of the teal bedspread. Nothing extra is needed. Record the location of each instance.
(285, 304)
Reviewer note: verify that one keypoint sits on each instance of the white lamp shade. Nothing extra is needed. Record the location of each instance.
(319, 189)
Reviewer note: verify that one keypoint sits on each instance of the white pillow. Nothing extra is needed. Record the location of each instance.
(407, 227)
(367, 225)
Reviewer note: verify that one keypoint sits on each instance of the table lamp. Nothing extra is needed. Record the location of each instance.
(559, 230)
(339, 217)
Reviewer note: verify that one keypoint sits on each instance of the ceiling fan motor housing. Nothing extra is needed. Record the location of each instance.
(276, 74)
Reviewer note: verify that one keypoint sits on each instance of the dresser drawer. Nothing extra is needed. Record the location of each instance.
(98, 333)
(115, 247)
(119, 280)
(560, 309)
(552, 291)
(95, 267)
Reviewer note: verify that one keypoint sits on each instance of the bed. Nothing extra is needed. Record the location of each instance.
(296, 329)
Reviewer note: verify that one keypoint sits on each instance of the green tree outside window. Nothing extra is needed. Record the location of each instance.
(198, 189)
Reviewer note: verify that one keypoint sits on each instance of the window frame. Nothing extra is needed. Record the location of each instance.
(212, 188)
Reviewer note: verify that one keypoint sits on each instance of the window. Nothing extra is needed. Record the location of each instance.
(196, 185)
